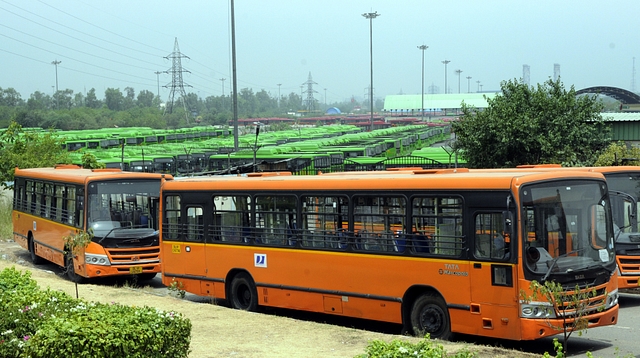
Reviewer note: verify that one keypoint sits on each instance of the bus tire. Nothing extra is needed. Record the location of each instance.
(71, 271)
(429, 314)
(243, 294)
(37, 260)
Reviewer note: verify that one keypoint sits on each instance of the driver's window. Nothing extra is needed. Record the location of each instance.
(490, 239)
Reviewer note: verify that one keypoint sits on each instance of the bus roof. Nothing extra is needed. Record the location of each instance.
(377, 180)
(77, 174)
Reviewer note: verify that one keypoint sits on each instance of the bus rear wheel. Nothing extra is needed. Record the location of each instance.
(71, 271)
(429, 315)
(243, 294)
(37, 260)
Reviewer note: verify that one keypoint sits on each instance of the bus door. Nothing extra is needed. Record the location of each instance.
(494, 297)
(183, 240)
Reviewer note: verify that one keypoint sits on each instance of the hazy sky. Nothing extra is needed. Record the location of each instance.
(117, 44)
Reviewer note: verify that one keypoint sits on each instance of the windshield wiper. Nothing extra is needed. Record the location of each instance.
(555, 261)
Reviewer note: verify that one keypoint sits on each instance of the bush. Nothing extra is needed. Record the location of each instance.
(44, 323)
(426, 348)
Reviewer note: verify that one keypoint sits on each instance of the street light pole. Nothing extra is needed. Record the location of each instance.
(468, 84)
(56, 63)
(371, 16)
(158, 79)
(458, 72)
(478, 82)
(445, 75)
(279, 84)
(422, 47)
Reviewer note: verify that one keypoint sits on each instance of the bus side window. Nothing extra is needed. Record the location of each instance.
(490, 241)
(195, 226)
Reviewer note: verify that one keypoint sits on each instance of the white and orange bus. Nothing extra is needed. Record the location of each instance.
(436, 251)
(121, 209)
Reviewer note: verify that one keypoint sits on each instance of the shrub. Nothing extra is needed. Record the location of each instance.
(426, 348)
(44, 323)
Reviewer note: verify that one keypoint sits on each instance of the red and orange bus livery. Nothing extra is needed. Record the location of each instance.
(438, 252)
(121, 209)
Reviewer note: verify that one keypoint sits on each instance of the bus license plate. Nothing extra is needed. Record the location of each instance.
(135, 270)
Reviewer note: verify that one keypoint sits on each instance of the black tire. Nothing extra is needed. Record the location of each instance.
(37, 260)
(243, 294)
(70, 270)
(429, 314)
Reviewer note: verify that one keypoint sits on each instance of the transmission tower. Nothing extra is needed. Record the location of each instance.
(176, 85)
(556, 71)
(633, 76)
(525, 75)
(310, 101)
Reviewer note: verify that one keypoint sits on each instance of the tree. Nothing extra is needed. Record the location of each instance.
(10, 97)
(572, 306)
(527, 125)
(28, 149)
(145, 98)
(619, 154)
(91, 100)
(114, 99)
(129, 100)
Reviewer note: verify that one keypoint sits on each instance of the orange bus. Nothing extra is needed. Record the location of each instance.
(121, 209)
(624, 188)
(436, 251)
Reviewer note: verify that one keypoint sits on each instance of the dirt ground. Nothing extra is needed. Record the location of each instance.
(223, 332)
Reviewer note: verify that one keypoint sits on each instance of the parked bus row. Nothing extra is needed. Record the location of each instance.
(436, 251)
(306, 151)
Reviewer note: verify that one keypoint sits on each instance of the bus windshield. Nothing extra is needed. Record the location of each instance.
(123, 209)
(568, 228)
(624, 191)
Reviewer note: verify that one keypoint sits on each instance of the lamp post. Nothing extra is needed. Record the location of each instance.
(371, 16)
(458, 72)
(422, 48)
(279, 84)
(468, 84)
(56, 63)
(478, 82)
(158, 80)
(445, 75)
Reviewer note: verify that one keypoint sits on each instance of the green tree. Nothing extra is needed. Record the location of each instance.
(130, 98)
(619, 154)
(10, 97)
(114, 99)
(91, 100)
(527, 125)
(90, 161)
(145, 98)
(39, 100)
(28, 149)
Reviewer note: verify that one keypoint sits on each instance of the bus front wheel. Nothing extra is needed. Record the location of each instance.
(243, 293)
(429, 315)
(37, 260)
(71, 271)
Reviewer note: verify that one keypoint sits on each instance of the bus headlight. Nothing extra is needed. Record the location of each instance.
(537, 310)
(94, 259)
(612, 299)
